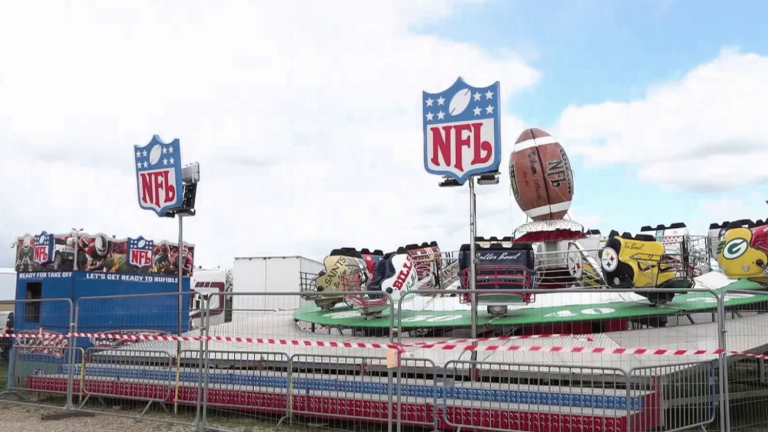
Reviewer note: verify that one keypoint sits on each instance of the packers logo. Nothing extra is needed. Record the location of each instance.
(733, 248)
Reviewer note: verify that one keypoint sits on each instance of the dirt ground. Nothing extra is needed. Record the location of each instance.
(24, 418)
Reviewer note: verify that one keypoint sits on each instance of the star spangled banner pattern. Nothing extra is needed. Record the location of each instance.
(167, 157)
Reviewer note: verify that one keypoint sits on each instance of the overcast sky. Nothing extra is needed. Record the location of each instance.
(305, 116)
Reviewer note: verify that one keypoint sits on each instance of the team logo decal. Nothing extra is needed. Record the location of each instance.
(574, 262)
(609, 259)
(43, 249)
(404, 280)
(139, 252)
(735, 248)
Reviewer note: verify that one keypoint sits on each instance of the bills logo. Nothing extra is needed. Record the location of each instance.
(43, 250)
(158, 175)
(462, 134)
(139, 252)
(404, 280)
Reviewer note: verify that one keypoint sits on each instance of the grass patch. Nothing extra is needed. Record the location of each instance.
(3, 375)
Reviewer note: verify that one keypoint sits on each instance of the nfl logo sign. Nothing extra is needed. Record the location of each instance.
(462, 127)
(139, 252)
(43, 252)
(158, 175)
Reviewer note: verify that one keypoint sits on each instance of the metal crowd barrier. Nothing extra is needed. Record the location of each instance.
(461, 390)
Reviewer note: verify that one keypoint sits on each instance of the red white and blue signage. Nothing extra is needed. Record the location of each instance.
(462, 130)
(139, 252)
(43, 249)
(158, 175)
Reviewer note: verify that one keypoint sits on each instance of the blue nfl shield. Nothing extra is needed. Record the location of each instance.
(139, 252)
(462, 130)
(158, 175)
(43, 249)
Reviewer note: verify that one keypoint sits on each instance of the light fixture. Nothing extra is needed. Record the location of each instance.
(448, 182)
(489, 178)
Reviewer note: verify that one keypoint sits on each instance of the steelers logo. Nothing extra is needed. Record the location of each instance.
(574, 264)
(610, 259)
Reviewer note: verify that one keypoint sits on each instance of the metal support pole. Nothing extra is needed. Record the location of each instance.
(390, 378)
(181, 263)
(205, 360)
(70, 360)
(473, 255)
(76, 238)
(179, 299)
(74, 255)
(725, 413)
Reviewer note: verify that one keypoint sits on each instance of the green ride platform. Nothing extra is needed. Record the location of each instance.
(696, 301)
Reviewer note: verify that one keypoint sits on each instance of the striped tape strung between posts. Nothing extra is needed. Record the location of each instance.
(586, 338)
(440, 345)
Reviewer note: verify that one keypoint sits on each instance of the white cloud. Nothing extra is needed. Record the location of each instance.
(703, 132)
(587, 220)
(305, 117)
(746, 206)
(726, 209)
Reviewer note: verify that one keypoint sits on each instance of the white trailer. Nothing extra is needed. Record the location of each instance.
(7, 285)
(281, 274)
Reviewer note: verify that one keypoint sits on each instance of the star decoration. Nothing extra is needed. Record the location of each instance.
(488, 95)
(429, 101)
(440, 115)
(477, 111)
(440, 100)
(429, 116)
(489, 109)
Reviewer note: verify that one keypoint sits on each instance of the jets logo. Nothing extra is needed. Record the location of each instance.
(734, 248)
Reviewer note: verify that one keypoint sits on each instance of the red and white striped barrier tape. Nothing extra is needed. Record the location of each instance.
(34, 335)
(586, 338)
(155, 337)
(456, 345)
(268, 341)
(138, 337)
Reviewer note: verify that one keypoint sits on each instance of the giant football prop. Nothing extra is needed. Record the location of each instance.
(541, 176)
